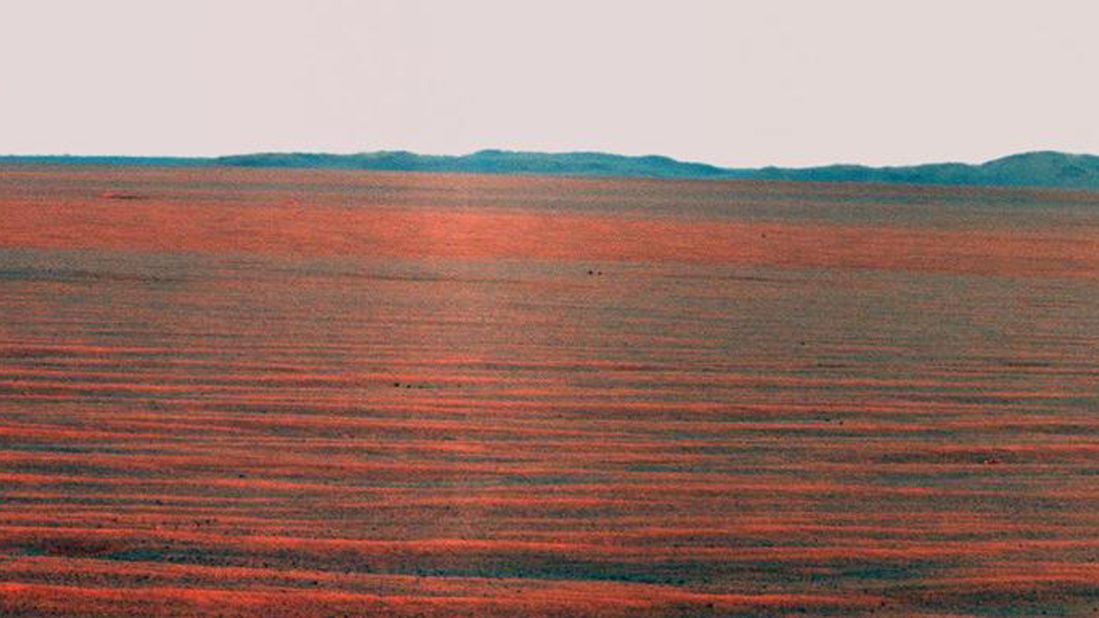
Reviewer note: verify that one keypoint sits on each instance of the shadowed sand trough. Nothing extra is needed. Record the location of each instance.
(308, 393)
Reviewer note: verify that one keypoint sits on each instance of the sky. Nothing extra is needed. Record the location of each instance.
(737, 83)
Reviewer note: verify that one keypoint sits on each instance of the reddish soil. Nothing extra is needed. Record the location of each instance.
(282, 393)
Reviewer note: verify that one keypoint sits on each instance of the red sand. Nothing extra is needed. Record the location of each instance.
(239, 392)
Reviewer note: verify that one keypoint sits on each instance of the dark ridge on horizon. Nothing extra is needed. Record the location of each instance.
(1031, 169)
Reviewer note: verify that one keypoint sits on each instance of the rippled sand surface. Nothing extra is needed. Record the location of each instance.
(242, 392)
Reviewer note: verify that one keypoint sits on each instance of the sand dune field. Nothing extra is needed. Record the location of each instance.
(305, 393)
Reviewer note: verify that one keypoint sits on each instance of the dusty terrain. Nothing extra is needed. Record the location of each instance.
(239, 392)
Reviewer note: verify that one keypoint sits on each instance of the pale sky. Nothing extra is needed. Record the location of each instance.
(739, 83)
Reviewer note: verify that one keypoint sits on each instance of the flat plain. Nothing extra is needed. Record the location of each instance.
(303, 393)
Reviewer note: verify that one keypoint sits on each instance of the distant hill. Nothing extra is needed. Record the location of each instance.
(1032, 169)
(490, 162)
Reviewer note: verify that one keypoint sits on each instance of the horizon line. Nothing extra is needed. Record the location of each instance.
(841, 163)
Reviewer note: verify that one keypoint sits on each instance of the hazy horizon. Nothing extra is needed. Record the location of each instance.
(735, 85)
(508, 150)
